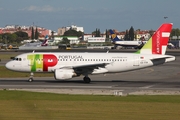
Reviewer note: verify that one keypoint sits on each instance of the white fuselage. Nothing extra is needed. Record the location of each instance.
(130, 43)
(113, 62)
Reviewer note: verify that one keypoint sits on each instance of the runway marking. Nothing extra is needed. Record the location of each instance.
(150, 70)
(146, 87)
(81, 86)
(52, 86)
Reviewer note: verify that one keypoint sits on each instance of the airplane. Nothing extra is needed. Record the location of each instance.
(45, 42)
(118, 43)
(68, 65)
(35, 45)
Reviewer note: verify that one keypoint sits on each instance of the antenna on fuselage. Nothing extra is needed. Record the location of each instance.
(107, 51)
(33, 51)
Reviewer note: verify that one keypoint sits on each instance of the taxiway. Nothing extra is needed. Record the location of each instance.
(162, 79)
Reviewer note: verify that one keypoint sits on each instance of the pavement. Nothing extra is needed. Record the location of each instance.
(157, 80)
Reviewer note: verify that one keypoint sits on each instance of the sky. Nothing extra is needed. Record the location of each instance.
(90, 14)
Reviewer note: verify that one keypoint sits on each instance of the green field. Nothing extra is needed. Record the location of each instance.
(19, 105)
(12, 74)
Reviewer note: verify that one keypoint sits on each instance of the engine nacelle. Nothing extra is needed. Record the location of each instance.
(62, 74)
(100, 71)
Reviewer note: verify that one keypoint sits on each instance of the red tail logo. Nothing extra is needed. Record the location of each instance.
(160, 38)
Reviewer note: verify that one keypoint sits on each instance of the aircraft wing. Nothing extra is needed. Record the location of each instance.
(86, 68)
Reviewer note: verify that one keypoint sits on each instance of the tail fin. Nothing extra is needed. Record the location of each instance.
(45, 42)
(114, 36)
(157, 44)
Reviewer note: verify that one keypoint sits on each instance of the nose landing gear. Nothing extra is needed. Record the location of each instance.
(31, 77)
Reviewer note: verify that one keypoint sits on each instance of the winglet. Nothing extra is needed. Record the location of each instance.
(157, 44)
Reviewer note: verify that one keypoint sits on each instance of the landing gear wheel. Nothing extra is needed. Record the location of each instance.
(30, 79)
(87, 79)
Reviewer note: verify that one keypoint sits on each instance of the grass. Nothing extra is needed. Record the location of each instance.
(12, 74)
(7, 56)
(19, 105)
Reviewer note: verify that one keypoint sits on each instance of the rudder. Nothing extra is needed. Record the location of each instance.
(157, 44)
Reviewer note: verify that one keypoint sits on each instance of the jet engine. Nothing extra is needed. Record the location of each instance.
(62, 74)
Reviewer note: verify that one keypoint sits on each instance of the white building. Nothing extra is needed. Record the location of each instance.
(10, 27)
(62, 30)
(73, 27)
(73, 39)
(96, 39)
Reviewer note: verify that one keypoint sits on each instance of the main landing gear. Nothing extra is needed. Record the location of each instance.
(87, 79)
(31, 77)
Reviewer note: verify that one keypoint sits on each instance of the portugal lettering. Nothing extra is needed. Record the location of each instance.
(70, 57)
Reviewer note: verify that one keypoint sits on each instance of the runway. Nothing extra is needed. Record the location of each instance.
(162, 79)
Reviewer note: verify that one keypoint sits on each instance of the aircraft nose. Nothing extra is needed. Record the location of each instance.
(9, 65)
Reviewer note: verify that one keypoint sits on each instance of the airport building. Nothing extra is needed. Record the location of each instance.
(62, 30)
(72, 39)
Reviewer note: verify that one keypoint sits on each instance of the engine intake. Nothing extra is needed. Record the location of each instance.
(62, 74)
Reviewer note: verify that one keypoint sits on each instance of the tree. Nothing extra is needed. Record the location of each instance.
(73, 33)
(65, 41)
(21, 36)
(97, 33)
(126, 37)
(175, 32)
(6, 37)
(32, 33)
(36, 34)
(131, 33)
(13, 38)
(107, 36)
(52, 34)
(151, 32)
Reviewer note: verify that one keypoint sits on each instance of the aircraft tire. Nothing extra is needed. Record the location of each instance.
(30, 80)
(87, 79)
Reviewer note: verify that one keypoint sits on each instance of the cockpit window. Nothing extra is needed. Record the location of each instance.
(17, 59)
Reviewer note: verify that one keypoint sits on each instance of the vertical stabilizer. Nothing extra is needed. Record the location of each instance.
(45, 42)
(114, 36)
(157, 44)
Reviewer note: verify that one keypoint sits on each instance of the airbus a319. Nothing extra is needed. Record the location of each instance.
(69, 65)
